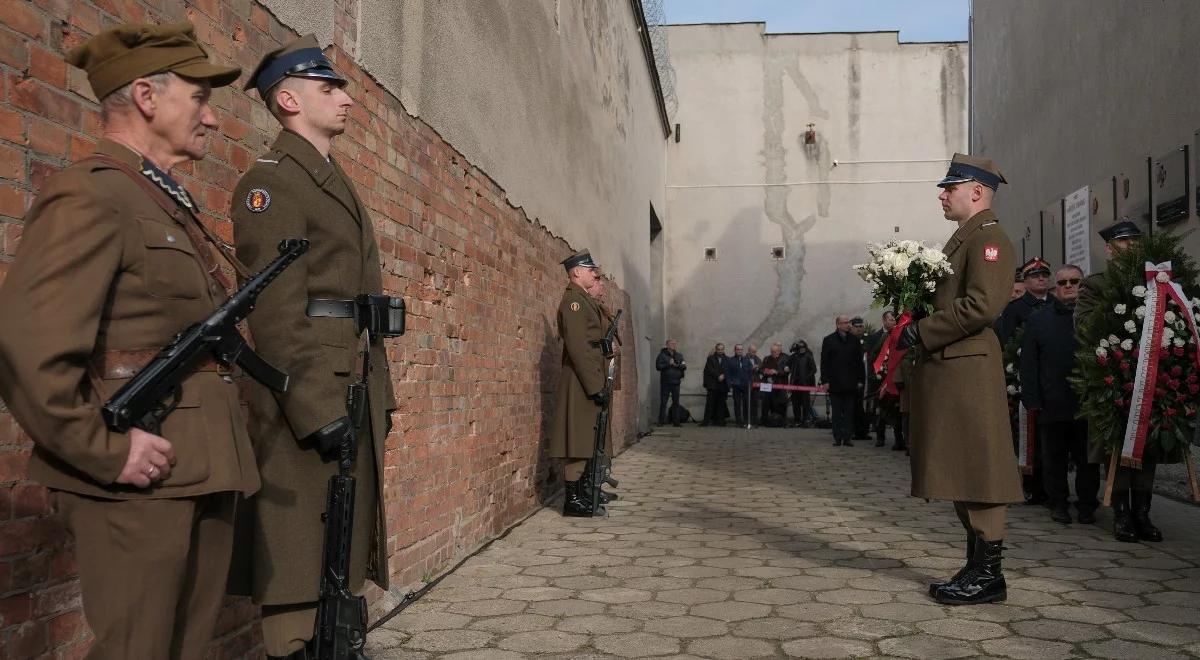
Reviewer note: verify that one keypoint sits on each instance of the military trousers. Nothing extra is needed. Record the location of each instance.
(152, 572)
(1128, 478)
(984, 519)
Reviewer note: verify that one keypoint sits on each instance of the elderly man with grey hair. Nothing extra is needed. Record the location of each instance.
(842, 370)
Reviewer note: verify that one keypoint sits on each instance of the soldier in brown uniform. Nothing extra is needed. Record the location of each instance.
(960, 443)
(581, 324)
(113, 264)
(307, 324)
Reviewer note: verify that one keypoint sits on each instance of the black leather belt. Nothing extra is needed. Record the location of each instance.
(338, 309)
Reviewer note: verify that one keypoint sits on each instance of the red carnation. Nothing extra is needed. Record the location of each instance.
(1194, 389)
(1163, 378)
(1176, 371)
(1120, 403)
(1158, 391)
(1173, 384)
(1192, 378)
(1178, 351)
(1118, 354)
(1102, 360)
(1128, 387)
(1125, 366)
(1180, 398)
(1108, 380)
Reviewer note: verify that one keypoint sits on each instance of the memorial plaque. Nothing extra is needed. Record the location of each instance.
(1133, 194)
(1077, 214)
(1169, 186)
(1051, 248)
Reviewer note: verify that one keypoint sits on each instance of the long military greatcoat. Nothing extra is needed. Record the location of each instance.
(294, 192)
(960, 440)
(581, 323)
(105, 270)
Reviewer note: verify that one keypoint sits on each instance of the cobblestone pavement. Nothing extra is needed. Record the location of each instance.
(768, 543)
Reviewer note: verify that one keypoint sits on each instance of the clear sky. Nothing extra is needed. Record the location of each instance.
(917, 20)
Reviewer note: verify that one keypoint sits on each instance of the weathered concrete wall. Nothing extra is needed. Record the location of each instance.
(553, 99)
(887, 117)
(1072, 92)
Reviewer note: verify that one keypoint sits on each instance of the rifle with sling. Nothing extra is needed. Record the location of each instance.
(154, 391)
(341, 623)
(598, 467)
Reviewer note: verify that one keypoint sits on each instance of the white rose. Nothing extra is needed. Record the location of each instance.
(1008, 368)
(902, 263)
(1100, 352)
(1165, 343)
(1195, 302)
(1104, 343)
(1012, 390)
(1169, 316)
(1140, 312)
(1168, 333)
(1113, 339)
(1139, 291)
(1178, 342)
(1127, 345)
(1130, 326)
(1162, 277)
(1119, 309)
(931, 286)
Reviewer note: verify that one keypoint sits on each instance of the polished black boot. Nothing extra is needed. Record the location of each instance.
(934, 586)
(577, 503)
(982, 583)
(1123, 529)
(1146, 531)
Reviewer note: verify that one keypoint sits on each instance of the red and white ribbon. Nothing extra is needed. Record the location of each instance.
(1159, 289)
(891, 356)
(1026, 438)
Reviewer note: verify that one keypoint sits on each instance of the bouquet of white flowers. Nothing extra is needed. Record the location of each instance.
(904, 274)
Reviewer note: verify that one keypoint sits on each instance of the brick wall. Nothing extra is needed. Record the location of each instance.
(474, 376)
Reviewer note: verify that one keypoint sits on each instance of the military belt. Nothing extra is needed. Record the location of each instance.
(115, 364)
(329, 308)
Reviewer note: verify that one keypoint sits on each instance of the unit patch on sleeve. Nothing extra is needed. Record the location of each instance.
(991, 253)
(258, 200)
(574, 307)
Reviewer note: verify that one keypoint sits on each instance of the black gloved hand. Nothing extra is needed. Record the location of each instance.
(599, 398)
(328, 439)
(910, 336)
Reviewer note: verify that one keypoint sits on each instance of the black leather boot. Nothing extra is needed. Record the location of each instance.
(576, 503)
(934, 586)
(1061, 513)
(982, 583)
(1123, 529)
(1146, 531)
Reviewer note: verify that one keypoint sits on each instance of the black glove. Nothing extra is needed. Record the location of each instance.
(328, 439)
(910, 336)
(600, 398)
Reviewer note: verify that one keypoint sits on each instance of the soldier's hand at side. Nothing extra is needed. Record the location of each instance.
(150, 459)
(910, 336)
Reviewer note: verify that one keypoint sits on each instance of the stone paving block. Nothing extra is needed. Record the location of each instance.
(463, 593)
(866, 629)
(537, 593)
(854, 597)
(963, 629)
(494, 607)
(775, 628)
(1120, 649)
(732, 611)
(484, 654)
(441, 641)
(637, 645)
(413, 622)
(1168, 614)
(813, 612)
(771, 596)
(565, 608)
(1106, 599)
(597, 624)
(686, 626)
(1064, 631)
(1156, 633)
(514, 623)
(827, 647)
(692, 596)
(925, 646)
(1082, 613)
(731, 648)
(1028, 648)
(650, 610)
(543, 641)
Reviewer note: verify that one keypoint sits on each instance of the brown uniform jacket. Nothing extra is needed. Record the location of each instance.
(960, 441)
(312, 198)
(581, 322)
(102, 267)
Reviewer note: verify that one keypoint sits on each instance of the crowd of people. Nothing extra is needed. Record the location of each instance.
(777, 390)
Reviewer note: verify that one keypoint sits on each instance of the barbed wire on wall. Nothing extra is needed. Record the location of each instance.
(656, 20)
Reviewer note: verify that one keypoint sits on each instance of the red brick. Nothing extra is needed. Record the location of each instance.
(48, 138)
(28, 641)
(80, 147)
(85, 17)
(30, 500)
(30, 571)
(12, 164)
(68, 628)
(39, 171)
(23, 17)
(12, 463)
(57, 599)
(30, 94)
(260, 18)
(12, 126)
(13, 51)
(15, 610)
(48, 67)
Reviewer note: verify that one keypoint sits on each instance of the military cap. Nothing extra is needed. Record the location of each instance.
(117, 56)
(1035, 266)
(301, 58)
(965, 168)
(581, 258)
(1123, 228)
(857, 322)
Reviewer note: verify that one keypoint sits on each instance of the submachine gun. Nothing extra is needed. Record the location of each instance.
(598, 468)
(341, 625)
(154, 391)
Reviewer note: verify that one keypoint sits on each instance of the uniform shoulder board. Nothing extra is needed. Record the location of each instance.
(989, 223)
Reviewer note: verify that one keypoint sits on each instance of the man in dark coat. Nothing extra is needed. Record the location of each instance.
(775, 371)
(842, 371)
(1133, 488)
(1047, 358)
(804, 372)
(739, 373)
(755, 374)
(961, 446)
(308, 324)
(1035, 274)
(715, 387)
(670, 365)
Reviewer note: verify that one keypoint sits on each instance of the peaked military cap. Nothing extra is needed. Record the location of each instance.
(964, 168)
(1035, 266)
(118, 56)
(581, 258)
(857, 322)
(301, 58)
(1123, 228)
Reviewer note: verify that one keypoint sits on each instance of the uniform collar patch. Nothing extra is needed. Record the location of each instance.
(258, 200)
(168, 185)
